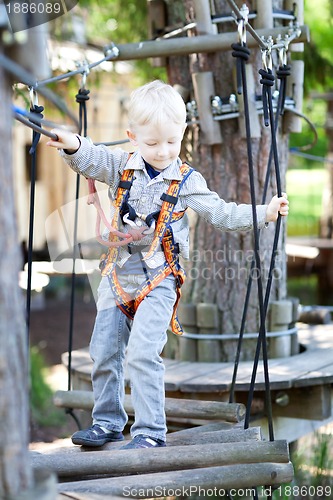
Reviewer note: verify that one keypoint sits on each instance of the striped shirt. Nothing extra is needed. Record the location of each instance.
(106, 165)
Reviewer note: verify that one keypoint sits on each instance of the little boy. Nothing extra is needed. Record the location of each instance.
(151, 189)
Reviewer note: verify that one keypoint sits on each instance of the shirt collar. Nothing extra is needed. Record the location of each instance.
(172, 172)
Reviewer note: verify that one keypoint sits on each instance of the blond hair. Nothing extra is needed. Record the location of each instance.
(155, 103)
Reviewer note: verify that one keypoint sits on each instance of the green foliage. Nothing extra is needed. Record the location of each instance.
(43, 411)
(313, 471)
(305, 188)
(110, 21)
(318, 55)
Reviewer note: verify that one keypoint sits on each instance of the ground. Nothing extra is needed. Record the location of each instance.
(49, 331)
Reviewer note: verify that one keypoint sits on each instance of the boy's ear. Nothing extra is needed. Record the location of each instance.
(132, 137)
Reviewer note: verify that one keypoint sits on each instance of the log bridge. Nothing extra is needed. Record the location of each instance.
(216, 456)
(214, 452)
(212, 449)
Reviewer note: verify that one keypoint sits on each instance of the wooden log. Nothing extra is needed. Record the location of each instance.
(223, 436)
(315, 317)
(127, 462)
(188, 482)
(185, 438)
(180, 408)
(211, 427)
(72, 495)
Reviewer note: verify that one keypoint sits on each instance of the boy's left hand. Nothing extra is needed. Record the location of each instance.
(276, 206)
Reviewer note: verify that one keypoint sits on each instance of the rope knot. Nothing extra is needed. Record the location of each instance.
(82, 95)
(240, 51)
(283, 71)
(267, 77)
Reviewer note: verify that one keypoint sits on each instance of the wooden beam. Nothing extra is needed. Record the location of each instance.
(180, 408)
(310, 403)
(187, 481)
(126, 462)
(196, 44)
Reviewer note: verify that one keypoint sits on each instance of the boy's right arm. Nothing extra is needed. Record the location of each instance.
(95, 162)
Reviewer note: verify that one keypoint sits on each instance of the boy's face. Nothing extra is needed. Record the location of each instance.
(159, 146)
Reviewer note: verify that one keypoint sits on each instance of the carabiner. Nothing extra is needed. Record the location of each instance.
(33, 98)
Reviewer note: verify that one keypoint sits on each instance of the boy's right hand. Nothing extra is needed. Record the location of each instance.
(66, 140)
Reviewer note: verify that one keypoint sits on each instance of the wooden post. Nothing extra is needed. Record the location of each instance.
(264, 17)
(203, 86)
(156, 25)
(203, 18)
(187, 314)
(280, 317)
(207, 320)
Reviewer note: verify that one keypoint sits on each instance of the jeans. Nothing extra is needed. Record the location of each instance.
(143, 339)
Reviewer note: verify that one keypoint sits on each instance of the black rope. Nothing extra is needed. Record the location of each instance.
(37, 110)
(82, 97)
(239, 52)
(279, 112)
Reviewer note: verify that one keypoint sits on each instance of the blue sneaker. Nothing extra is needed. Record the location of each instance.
(95, 436)
(142, 441)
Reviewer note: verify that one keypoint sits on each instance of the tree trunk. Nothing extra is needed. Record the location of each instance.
(15, 471)
(220, 262)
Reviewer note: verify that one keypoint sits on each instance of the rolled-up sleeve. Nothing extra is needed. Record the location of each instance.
(225, 216)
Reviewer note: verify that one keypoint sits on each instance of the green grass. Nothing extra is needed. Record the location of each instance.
(305, 190)
(43, 412)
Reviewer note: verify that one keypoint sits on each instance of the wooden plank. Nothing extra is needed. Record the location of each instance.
(184, 371)
(180, 408)
(127, 462)
(320, 376)
(189, 481)
(217, 380)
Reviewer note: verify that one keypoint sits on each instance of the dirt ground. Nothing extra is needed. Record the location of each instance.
(49, 331)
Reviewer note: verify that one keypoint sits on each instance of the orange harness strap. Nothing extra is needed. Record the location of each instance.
(163, 236)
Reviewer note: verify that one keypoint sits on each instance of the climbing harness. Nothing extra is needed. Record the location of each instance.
(163, 239)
